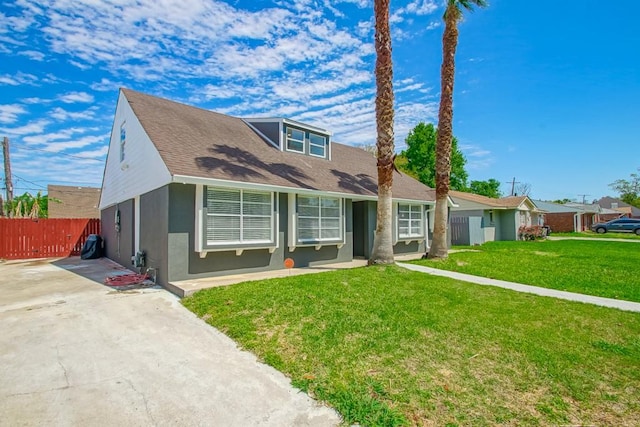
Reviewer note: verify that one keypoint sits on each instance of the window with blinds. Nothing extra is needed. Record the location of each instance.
(319, 219)
(239, 216)
(410, 221)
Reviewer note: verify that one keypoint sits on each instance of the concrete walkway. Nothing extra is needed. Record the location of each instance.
(570, 296)
(74, 352)
(184, 288)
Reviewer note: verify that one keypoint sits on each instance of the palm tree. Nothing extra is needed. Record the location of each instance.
(382, 252)
(452, 16)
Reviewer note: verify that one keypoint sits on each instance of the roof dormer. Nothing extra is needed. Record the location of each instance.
(293, 137)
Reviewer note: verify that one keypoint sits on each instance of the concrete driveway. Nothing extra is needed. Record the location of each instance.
(75, 352)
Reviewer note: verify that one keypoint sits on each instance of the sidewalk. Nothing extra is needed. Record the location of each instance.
(545, 292)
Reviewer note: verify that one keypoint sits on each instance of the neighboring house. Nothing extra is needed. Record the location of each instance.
(204, 194)
(620, 206)
(561, 218)
(592, 213)
(490, 219)
(73, 202)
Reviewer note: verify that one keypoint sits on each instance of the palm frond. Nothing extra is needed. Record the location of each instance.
(469, 4)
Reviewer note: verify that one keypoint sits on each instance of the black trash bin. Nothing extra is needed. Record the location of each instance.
(92, 248)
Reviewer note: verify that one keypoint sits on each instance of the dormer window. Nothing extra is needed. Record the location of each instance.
(294, 137)
(295, 140)
(317, 145)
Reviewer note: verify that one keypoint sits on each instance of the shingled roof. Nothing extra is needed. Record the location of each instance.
(510, 202)
(200, 143)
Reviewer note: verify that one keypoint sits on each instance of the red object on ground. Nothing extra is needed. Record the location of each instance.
(126, 279)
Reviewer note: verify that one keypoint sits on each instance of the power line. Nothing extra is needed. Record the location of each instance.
(60, 154)
(513, 183)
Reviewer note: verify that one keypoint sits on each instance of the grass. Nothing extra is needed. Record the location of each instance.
(387, 347)
(602, 268)
(591, 234)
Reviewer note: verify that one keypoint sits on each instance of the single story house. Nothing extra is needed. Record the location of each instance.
(618, 205)
(561, 218)
(477, 219)
(204, 194)
(67, 201)
(592, 213)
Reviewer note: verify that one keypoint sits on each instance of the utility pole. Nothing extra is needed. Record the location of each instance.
(7, 170)
(513, 183)
(584, 198)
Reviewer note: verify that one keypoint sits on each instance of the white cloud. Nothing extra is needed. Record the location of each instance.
(478, 158)
(433, 25)
(35, 100)
(73, 97)
(61, 114)
(422, 7)
(33, 54)
(105, 85)
(28, 129)
(74, 143)
(18, 79)
(9, 113)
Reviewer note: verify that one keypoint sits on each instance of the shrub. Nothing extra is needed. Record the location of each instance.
(532, 232)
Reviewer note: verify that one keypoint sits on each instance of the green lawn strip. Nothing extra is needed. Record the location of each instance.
(591, 234)
(386, 346)
(602, 268)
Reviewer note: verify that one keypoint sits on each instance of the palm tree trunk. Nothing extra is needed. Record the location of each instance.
(382, 252)
(445, 131)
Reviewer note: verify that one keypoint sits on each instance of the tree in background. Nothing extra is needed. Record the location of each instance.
(382, 252)
(562, 201)
(419, 161)
(489, 188)
(28, 206)
(628, 189)
(522, 189)
(419, 158)
(452, 15)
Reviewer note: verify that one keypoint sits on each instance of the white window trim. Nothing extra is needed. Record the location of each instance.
(286, 140)
(423, 224)
(123, 142)
(203, 246)
(294, 242)
(323, 145)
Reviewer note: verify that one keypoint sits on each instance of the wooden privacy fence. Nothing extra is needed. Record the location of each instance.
(466, 231)
(22, 238)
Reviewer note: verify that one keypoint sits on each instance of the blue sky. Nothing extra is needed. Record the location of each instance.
(546, 92)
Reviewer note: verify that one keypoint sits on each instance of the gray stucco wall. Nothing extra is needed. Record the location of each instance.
(308, 256)
(507, 226)
(270, 130)
(119, 247)
(185, 263)
(154, 225)
(400, 248)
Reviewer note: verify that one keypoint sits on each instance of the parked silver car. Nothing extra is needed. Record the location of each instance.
(620, 225)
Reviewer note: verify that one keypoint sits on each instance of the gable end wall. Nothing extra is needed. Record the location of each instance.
(142, 170)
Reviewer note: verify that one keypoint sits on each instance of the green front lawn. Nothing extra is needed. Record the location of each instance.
(591, 234)
(386, 346)
(601, 268)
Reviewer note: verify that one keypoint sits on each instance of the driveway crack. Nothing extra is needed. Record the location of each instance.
(144, 399)
(66, 376)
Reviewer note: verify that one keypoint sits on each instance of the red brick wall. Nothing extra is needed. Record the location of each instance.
(560, 222)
